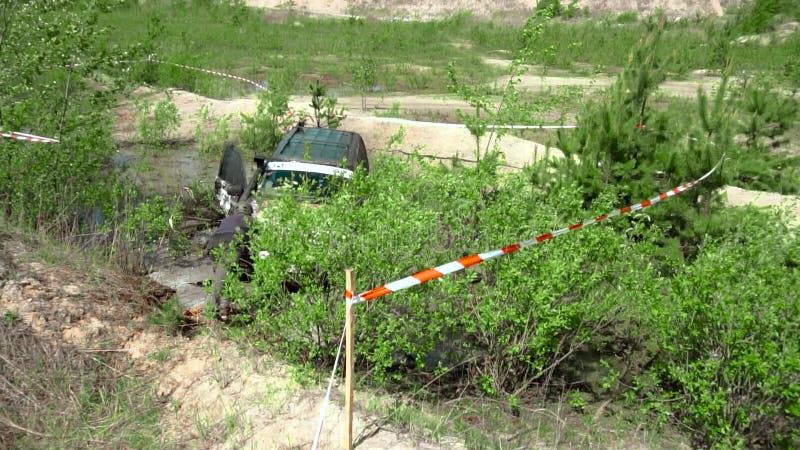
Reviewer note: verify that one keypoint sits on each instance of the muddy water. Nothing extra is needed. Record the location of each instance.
(171, 172)
(167, 172)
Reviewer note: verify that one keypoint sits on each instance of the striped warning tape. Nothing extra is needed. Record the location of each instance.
(467, 261)
(212, 72)
(28, 137)
(151, 59)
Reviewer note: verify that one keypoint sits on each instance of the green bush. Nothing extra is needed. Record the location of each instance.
(731, 353)
(211, 132)
(156, 125)
(524, 310)
(757, 15)
(627, 17)
(715, 337)
(51, 185)
(152, 220)
(262, 130)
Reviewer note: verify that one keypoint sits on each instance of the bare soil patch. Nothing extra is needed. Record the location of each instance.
(215, 393)
(789, 205)
(426, 138)
(416, 9)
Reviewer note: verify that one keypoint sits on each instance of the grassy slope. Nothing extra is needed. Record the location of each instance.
(278, 44)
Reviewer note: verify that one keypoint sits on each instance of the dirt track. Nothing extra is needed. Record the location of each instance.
(429, 139)
(486, 8)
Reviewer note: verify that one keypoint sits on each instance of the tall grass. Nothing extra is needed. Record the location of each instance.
(256, 44)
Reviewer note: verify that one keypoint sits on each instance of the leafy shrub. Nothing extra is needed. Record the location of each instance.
(627, 17)
(262, 130)
(152, 220)
(156, 128)
(46, 185)
(364, 72)
(211, 132)
(765, 113)
(757, 15)
(715, 337)
(731, 352)
(468, 316)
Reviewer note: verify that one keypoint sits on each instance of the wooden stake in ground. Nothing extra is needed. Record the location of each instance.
(348, 373)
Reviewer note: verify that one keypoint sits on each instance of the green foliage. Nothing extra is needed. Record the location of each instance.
(686, 45)
(627, 17)
(364, 74)
(169, 317)
(731, 349)
(393, 111)
(190, 32)
(317, 98)
(211, 132)
(791, 71)
(757, 15)
(50, 185)
(152, 221)
(262, 130)
(509, 322)
(156, 125)
(478, 121)
(554, 8)
(624, 141)
(511, 108)
(324, 107)
(765, 113)
(512, 341)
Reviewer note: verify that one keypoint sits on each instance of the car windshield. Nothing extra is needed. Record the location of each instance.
(292, 179)
(315, 178)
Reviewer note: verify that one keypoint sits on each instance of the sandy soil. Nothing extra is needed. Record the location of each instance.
(486, 8)
(218, 396)
(789, 205)
(427, 138)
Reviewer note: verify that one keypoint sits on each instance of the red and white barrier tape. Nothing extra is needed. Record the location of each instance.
(467, 261)
(28, 137)
(212, 72)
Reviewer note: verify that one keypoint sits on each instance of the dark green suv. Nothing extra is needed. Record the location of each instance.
(315, 155)
(311, 156)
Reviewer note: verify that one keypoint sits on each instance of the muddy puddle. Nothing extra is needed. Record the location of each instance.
(167, 172)
(177, 171)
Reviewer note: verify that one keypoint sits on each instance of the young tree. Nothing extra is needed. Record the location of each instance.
(262, 130)
(48, 50)
(324, 107)
(364, 73)
(317, 100)
(510, 108)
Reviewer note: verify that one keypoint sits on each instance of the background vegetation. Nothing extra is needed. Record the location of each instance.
(686, 312)
(259, 44)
